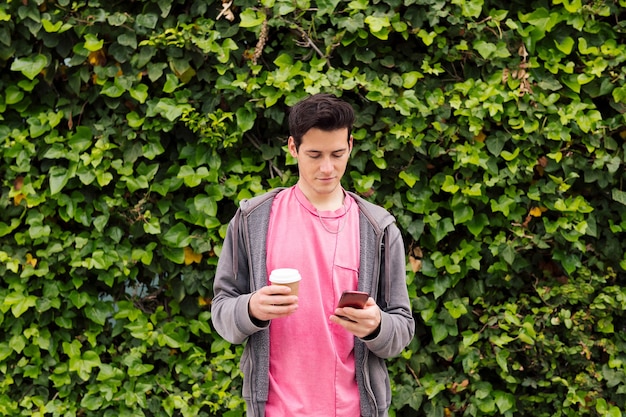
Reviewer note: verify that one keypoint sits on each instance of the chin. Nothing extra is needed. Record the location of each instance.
(327, 188)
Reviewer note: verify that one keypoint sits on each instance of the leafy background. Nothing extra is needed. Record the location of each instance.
(493, 130)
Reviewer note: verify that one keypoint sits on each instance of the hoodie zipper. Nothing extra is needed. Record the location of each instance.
(368, 384)
(366, 375)
(251, 377)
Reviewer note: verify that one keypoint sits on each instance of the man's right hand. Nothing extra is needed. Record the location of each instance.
(271, 302)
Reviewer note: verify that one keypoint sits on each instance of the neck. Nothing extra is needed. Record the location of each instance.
(326, 202)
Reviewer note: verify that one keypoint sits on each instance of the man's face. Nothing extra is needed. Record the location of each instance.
(322, 160)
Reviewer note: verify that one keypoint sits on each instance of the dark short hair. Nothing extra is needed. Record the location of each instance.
(322, 111)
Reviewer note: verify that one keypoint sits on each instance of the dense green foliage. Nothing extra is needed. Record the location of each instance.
(493, 130)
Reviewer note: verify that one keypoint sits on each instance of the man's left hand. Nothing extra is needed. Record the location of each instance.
(361, 322)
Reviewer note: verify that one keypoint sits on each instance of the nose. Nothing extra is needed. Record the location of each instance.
(326, 165)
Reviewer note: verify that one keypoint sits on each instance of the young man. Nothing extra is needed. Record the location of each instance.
(301, 359)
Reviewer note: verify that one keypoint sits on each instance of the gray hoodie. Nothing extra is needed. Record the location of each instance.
(241, 270)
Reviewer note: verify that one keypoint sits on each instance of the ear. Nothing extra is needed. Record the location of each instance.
(291, 146)
(350, 143)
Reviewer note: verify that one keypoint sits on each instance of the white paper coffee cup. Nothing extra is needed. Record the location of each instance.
(286, 276)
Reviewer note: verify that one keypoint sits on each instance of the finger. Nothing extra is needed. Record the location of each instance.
(275, 290)
(356, 328)
(275, 296)
(280, 289)
(352, 314)
(341, 321)
(278, 310)
(343, 315)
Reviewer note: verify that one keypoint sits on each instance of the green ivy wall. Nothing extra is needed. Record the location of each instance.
(493, 130)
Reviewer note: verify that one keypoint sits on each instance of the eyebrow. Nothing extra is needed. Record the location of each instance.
(318, 151)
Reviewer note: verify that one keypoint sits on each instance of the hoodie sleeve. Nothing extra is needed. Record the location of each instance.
(231, 288)
(397, 326)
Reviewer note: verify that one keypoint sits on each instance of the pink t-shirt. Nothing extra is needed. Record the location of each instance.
(312, 370)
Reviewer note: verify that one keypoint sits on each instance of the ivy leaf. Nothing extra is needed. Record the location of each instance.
(439, 331)
(427, 37)
(13, 94)
(169, 109)
(152, 226)
(541, 19)
(619, 94)
(79, 299)
(407, 395)
(443, 227)
(407, 103)
(485, 49)
(251, 18)
(566, 45)
(619, 196)
(92, 402)
(84, 364)
(352, 23)
(509, 254)
(572, 82)
(587, 121)
(495, 143)
(509, 156)
(245, 118)
(191, 177)
(19, 302)
(92, 43)
(17, 342)
(326, 6)
(505, 401)
(376, 24)
(81, 139)
(99, 312)
(139, 93)
(573, 6)
(148, 20)
(113, 89)
(463, 214)
(502, 356)
(30, 66)
(165, 339)
(471, 8)
(379, 26)
(4, 16)
(171, 83)
(426, 307)
(205, 204)
(5, 229)
(219, 345)
(469, 338)
(59, 176)
(449, 185)
(409, 178)
(456, 308)
(139, 368)
(5, 351)
(128, 39)
(442, 284)
(501, 340)
(409, 79)
(177, 236)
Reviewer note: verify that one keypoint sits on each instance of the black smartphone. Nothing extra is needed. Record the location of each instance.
(354, 299)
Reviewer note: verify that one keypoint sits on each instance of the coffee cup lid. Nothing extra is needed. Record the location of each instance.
(284, 275)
